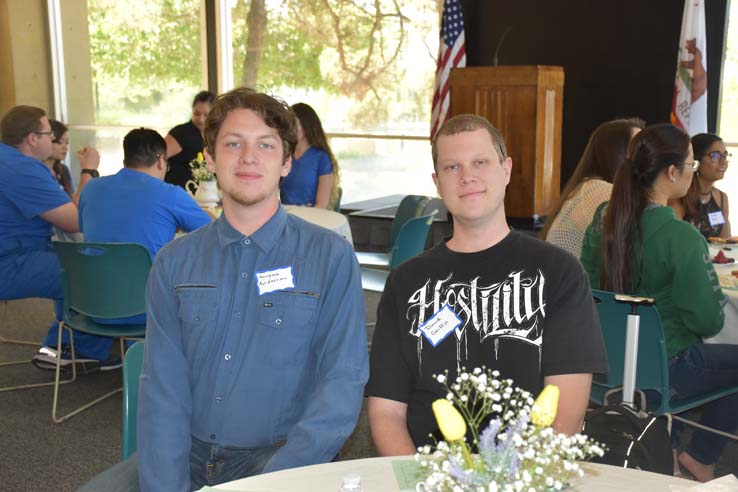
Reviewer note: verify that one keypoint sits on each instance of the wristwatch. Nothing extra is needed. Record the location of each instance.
(91, 172)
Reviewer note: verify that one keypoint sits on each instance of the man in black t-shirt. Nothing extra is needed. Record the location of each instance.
(488, 296)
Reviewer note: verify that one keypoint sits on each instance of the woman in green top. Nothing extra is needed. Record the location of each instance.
(636, 245)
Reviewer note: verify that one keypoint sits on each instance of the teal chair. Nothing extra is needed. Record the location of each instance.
(132, 363)
(336, 207)
(652, 374)
(410, 242)
(101, 281)
(410, 207)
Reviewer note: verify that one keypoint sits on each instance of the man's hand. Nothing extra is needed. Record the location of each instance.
(89, 157)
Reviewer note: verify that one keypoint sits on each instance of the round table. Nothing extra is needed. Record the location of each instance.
(729, 333)
(377, 475)
(329, 219)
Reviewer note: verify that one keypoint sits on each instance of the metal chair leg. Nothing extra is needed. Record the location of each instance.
(12, 341)
(59, 420)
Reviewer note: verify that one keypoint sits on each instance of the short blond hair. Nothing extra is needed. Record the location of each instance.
(468, 123)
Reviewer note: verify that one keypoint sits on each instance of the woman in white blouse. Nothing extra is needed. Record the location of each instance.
(590, 184)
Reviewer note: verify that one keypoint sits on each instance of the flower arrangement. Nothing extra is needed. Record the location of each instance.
(518, 450)
(200, 170)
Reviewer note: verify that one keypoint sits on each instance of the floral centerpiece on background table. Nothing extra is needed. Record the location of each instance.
(203, 183)
(518, 450)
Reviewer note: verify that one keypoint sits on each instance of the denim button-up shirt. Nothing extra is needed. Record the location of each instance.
(234, 359)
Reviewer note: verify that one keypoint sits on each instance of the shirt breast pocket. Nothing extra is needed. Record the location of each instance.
(286, 322)
(197, 313)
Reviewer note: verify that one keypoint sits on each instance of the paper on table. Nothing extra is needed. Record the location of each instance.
(407, 473)
(727, 483)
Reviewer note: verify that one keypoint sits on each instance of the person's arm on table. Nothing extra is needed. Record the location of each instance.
(573, 400)
(388, 423)
(725, 231)
(64, 217)
(165, 398)
(339, 344)
(323, 195)
(190, 215)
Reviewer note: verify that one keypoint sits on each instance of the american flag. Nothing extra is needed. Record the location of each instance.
(451, 53)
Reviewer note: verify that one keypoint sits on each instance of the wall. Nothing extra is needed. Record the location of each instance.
(24, 50)
(619, 56)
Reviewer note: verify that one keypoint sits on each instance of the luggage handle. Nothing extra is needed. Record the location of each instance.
(632, 332)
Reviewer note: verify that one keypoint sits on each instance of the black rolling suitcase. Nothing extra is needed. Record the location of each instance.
(633, 437)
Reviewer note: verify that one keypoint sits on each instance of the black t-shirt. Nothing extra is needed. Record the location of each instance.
(523, 307)
(189, 138)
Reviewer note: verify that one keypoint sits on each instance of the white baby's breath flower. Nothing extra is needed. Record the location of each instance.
(441, 378)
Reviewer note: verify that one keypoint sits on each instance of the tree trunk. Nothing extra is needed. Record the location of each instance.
(256, 23)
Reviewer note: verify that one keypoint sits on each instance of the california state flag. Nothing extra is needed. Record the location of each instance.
(689, 106)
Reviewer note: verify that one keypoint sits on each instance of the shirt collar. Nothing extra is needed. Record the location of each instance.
(266, 237)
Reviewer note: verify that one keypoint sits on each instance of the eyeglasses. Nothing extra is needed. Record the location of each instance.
(715, 156)
(160, 155)
(49, 133)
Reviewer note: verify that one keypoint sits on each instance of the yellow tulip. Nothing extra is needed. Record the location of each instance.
(544, 408)
(200, 157)
(449, 420)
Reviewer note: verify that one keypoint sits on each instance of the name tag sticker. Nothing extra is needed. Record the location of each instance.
(271, 280)
(441, 325)
(716, 218)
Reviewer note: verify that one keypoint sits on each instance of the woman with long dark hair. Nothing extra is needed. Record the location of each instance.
(590, 184)
(705, 206)
(313, 180)
(59, 149)
(637, 245)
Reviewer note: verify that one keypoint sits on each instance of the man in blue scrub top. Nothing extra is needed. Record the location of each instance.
(256, 354)
(31, 204)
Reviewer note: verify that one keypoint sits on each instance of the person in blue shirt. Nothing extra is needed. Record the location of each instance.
(256, 355)
(136, 205)
(31, 205)
(313, 179)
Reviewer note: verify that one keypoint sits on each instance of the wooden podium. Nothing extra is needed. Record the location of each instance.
(525, 103)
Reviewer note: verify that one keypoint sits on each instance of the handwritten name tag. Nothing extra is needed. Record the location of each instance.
(271, 280)
(716, 218)
(441, 325)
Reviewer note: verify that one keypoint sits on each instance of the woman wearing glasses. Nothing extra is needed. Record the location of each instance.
(637, 245)
(704, 205)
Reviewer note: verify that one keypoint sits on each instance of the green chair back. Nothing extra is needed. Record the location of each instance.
(411, 239)
(652, 374)
(104, 280)
(132, 363)
(410, 207)
(336, 206)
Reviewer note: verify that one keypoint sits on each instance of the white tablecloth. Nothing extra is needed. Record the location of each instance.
(324, 218)
(377, 476)
(729, 333)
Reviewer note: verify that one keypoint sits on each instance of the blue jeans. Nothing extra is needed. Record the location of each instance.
(700, 369)
(210, 464)
(37, 273)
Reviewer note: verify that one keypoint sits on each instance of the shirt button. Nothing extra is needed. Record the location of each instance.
(212, 436)
(197, 317)
(227, 357)
(238, 315)
(278, 321)
(219, 399)
(247, 241)
(243, 274)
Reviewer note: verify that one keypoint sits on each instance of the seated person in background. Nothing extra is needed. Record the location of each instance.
(636, 245)
(185, 141)
(313, 180)
(590, 184)
(31, 205)
(135, 205)
(705, 206)
(59, 148)
(255, 356)
(523, 306)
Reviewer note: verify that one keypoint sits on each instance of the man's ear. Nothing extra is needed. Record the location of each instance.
(286, 167)
(434, 176)
(209, 160)
(507, 167)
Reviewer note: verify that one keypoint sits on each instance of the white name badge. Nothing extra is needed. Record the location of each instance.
(441, 325)
(271, 280)
(716, 218)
